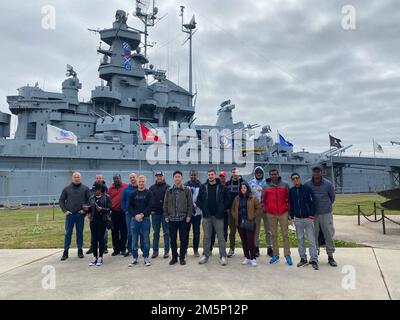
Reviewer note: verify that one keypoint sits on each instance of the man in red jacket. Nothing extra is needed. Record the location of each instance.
(276, 206)
(119, 231)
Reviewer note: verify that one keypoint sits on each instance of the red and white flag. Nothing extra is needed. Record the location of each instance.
(148, 134)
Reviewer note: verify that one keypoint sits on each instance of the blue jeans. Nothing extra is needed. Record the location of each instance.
(196, 222)
(78, 220)
(156, 221)
(128, 219)
(141, 229)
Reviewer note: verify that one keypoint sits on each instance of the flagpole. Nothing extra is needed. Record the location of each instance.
(332, 170)
(41, 175)
(279, 143)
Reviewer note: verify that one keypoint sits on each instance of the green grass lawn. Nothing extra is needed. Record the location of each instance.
(19, 229)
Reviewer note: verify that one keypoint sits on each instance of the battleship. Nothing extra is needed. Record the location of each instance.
(132, 92)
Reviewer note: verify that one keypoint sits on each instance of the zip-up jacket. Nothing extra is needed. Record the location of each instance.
(116, 196)
(276, 197)
(301, 201)
(222, 200)
(158, 190)
(125, 195)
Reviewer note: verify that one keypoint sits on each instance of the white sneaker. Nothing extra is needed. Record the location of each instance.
(133, 263)
(246, 261)
(223, 261)
(253, 263)
(203, 260)
(231, 253)
(99, 262)
(147, 262)
(93, 262)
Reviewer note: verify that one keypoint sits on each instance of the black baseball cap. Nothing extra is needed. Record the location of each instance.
(159, 173)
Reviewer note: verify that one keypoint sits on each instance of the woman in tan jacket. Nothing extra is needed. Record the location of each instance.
(245, 209)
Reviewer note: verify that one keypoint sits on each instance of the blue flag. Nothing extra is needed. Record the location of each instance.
(283, 142)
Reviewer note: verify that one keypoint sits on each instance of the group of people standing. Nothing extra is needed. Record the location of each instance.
(132, 210)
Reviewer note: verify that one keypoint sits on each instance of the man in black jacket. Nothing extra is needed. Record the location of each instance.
(233, 186)
(72, 200)
(195, 185)
(139, 208)
(157, 218)
(302, 211)
(212, 201)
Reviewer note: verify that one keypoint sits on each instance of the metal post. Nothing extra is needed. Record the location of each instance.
(383, 221)
(54, 204)
(375, 210)
(359, 213)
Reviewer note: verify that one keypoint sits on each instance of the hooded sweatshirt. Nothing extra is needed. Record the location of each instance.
(257, 186)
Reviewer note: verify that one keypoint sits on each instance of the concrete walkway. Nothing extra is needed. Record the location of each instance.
(368, 233)
(363, 273)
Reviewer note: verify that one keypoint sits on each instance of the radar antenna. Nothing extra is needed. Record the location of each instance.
(149, 19)
(189, 29)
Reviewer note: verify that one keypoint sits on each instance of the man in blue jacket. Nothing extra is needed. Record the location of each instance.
(124, 205)
(302, 209)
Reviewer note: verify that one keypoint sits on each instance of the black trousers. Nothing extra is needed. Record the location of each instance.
(119, 231)
(97, 230)
(182, 228)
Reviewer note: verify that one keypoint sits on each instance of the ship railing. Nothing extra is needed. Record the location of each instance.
(19, 202)
(383, 217)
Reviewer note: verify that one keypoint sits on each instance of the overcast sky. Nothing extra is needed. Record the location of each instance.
(286, 63)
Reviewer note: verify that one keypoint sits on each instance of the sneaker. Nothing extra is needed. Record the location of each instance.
(257, 252)
(289, 260)
(99, 262)
(274, 260)
(173, 261)
(147, 262)
(115, 253)
(270, 252)
(223, 261)
(253, 263)
(133, 263)
(127, 254)
(93, 262)
(196, 254)
(302, 263)
(203, 259)
(90, 251)
(166, 255)
(155, 255)
(231, 253)
(105, 251)
(64, 256)
(246, 261)
(182, 262)
(315, 265)
(332, 262)
(80, 254)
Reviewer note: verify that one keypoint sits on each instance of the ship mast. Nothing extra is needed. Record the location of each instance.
(149, 20)
(189, 29)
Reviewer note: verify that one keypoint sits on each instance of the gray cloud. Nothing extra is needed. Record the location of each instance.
(284, 63)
